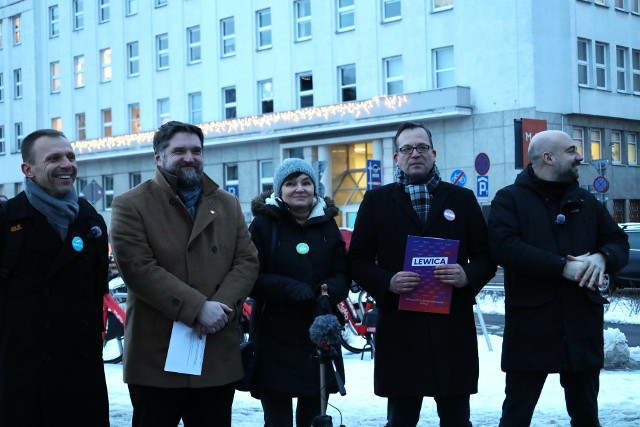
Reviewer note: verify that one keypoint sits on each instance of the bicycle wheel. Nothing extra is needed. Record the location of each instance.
(350, 340)
(113, 345)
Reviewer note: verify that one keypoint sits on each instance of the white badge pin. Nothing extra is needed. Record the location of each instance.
(449, 215)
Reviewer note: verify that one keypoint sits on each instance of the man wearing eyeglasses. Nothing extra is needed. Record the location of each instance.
(421, 354)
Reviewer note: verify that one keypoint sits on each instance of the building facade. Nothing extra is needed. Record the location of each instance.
(325, 80)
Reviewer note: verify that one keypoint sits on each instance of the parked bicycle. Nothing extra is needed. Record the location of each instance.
(114, 317)
(360, 315)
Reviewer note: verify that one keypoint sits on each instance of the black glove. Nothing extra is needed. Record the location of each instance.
(302, 293)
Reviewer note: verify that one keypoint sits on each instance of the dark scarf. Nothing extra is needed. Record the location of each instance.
(60, 212)
(420, 192)
(188, 195)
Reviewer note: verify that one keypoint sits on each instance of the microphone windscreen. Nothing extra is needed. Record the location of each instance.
(325, 330)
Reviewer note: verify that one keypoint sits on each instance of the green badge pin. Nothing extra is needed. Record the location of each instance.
(302, 248)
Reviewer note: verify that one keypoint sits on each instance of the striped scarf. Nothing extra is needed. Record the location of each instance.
(420, 193)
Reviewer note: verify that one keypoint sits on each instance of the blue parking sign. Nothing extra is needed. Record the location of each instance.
(482, 186)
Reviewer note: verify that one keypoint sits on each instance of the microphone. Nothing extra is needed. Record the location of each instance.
(560, 219)
(94, 233)
(325, 330)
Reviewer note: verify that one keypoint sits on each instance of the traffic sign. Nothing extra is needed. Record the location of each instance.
(458, 177)
(482, 164)
(482, 187)
(374, 174)
(600, 184)
(232, 189)
(92, 192)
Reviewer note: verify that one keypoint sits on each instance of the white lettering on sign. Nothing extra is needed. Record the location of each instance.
(429, 261)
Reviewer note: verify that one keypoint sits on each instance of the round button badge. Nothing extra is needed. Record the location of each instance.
(449, 215)
(302, 248)
(77, 244)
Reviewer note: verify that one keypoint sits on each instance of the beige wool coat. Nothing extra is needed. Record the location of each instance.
(171, 265)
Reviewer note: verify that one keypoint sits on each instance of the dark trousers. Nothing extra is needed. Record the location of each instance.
(523, 391)
(197, 407)
(453, 411)
(278, 410)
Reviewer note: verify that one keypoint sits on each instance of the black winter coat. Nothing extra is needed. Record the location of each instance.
(421, 354)
(51, 370)
(286, 295)
(551, 324)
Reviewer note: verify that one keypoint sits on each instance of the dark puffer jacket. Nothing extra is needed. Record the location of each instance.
(287, 291)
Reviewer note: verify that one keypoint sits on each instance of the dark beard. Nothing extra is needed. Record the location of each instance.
(189, 178)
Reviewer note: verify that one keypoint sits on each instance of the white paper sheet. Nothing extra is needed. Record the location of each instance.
(186, 351)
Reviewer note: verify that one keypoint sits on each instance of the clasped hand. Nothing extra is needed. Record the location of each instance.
(213, 317)
(450, 274)
(587, 269)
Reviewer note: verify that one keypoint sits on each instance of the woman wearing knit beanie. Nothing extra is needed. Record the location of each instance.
(300, 249)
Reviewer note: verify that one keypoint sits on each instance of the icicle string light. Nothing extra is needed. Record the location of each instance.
(264, 122)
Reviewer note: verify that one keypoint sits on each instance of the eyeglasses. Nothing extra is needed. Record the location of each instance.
(408, 149)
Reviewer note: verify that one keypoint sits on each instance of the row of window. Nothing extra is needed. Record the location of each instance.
(590, 144)
(632, 6)
(443, 76)
(594, 67)
(345, 19)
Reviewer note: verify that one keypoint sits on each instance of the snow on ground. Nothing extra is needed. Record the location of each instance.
(619, 399)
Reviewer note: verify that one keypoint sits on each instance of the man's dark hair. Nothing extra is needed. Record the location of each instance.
(26, 146)
(164, 134)
(410, 125)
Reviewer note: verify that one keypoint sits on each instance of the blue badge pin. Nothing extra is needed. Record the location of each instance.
(302, 248)
(77, 244)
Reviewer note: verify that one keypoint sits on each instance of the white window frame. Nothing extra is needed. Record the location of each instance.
(387, 7)
(54, 21)
(229, 106)
(231, 174)
(635, 71)
(622, 62)
(133, 59)
(106, 118)
(17, 29)
(195, 110)
(578, 138)
(584, 63)
(228, 37)
(602, 66)
(81, 126)
(194, 45)
(266, 174)
(3, 148)
(440, 5)
(390, 80)
(78, 69)
(303, 28)
(620, 4)
(54, 69)
(265, 95)
(130, 7)
(78, 15)
(304, 95)
(1, 33)
(616, 147)
(17, 83)
(105, 65)
(344, 73)
(107, 186)
(18, 129)
(164, 111)
(134, 118)
(161, 3)
(634, 7)
(444, 75)
(632, 148)
(263, 29)
(135, 178)
(56, 123)
(162, 52)
(600, 2)
(344, 9)
(1, 87)
(104, 11)
(595, 144)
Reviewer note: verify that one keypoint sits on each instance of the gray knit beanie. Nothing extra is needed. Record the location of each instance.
(290, 166)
